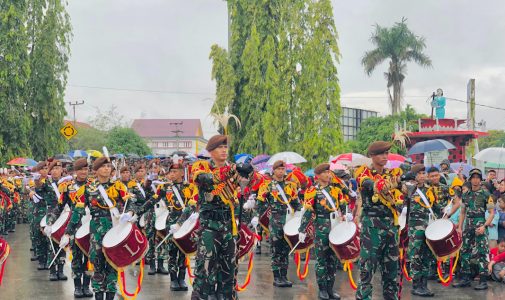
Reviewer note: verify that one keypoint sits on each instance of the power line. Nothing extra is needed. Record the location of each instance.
(138, 90)
(483, 105)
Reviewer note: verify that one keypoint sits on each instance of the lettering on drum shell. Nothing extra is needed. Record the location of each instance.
(353, 247)
(450, 240)
(139, 238)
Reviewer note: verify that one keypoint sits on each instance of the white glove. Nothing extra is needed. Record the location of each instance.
(174, 228)
(36, 176)
(301, 237)
(66, 178)
(255, 222)
(47, 230)
(65, 239)
(250, 204)
(151, 176)
(349, 217)
(134, 219)
(352, 194)
(404, 211)
(193, 217)
(126, 217)
(447, 209)
(115, 212)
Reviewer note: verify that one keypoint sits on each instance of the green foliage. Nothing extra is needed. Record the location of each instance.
(496, 138)
(399, 45)
(107, 120)
(280, 78)
(382, 128)
(88, 138)
(126, 140)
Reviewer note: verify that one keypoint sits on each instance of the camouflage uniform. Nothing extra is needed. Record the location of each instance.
(105, 276)
(475, 249)
(41, 241)
(71, 192)
(379, 231)
(319, 208)
(152, 238)
(419, 254)
(46, 191)
(5, 206)
(269, 196)
(165, 193)
(217, 240)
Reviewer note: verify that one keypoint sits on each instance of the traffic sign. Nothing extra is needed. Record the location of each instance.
(68, 131)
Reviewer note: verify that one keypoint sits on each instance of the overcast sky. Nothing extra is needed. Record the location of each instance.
(163, 45)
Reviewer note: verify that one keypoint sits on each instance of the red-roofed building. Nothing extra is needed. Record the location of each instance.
(165, 136)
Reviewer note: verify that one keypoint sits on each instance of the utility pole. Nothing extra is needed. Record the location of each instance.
(177, 131)
(470, 99)
(74, 104)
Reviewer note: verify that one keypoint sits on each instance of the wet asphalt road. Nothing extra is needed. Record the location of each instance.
(22, 280)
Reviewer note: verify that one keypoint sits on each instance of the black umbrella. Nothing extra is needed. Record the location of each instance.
(64, 158)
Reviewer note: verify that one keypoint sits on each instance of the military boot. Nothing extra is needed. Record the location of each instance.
(161, 269)
(331, 293)
(78, 288)
(60, 274)
(277, 280)
(482, 283)
(110, 295)
(425, 288)
(323, 293)
(182, 279)
(53, 275)
(42, 263)
(34, 257)
(85, 286)
(284, 278)
(463, 282)
(174, 282)
(99, 296)
(152, 267)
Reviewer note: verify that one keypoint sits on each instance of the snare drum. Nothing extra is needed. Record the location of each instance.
(124, 245)
(82, 237)
(185, 237)
(60, 225)
(246, 241)
(161, 224)
(443, 239)
(291, 234)
(344, 241)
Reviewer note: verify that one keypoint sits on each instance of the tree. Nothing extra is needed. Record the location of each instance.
(382, 128)
(107, 120)
(400, 46)
(126, 140)
(50, 33)
(14, 74)
(259, 80)
(496, 138)
(89, 138)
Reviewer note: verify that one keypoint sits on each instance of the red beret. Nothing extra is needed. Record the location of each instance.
(80, 164)
(100, 162)
(216, 141)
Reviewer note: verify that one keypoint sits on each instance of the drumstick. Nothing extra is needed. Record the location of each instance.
(52, 246)
(125, 204)
(55, 256)
(294, 248)
(162, 241)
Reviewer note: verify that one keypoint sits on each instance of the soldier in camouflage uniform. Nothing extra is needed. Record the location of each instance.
(6, 203)
(39, 211)
(104, 279)
(475, 249)
(379, 232)
(71, 191)
(322, 203)
(217, 202)
(419, 253)
(177, 195)
(48, 190)
(281, 196)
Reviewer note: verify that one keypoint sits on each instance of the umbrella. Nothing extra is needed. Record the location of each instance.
(391, 164)
(94, 153)
(149, 156)
(337, 166)
(22, 162)
(118, 155)
(204, 154)
(179, 153)
(430, 146)
(494, 155)
(310, 173)
(288, 157)
(132, 155)
(262, 158)
(351, 159)
(64, 158)
(242, 158)
(396, 157)
(77, 153)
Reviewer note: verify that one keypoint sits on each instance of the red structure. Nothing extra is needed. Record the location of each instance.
(447, 129)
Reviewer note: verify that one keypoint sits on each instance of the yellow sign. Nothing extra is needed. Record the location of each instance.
(68, 131)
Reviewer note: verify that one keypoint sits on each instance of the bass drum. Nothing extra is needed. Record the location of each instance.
(82, 238)
(124, 245)
(185, 237)
(60, 225)
(344, 241)
(443, 239)
(291, 233)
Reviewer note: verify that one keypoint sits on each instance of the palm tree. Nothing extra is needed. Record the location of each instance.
(400, 45)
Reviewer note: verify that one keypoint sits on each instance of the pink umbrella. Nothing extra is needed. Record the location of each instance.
(351, 159)
(391, 164)
(396, 157)
(337, 166)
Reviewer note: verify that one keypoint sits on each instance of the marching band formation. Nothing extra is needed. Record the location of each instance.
(111, 216)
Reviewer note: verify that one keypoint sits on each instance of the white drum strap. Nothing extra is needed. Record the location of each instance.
(55, 189)
(178, 196)
(36, 198)
(328, 197)
(284, 198)
(141, 190)
(103, 193)
(426, 202)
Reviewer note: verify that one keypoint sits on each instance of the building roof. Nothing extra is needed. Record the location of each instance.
(150, 128)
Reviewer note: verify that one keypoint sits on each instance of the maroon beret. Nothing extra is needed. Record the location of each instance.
(54, 163)
(216, 141)
(278, 164)
(417, 168)
(99, 162)
(80, 164)
(321, 168)
(378, 147)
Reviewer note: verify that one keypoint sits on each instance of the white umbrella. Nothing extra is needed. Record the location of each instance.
(492, 155)
(351, 159)
(287, 157)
